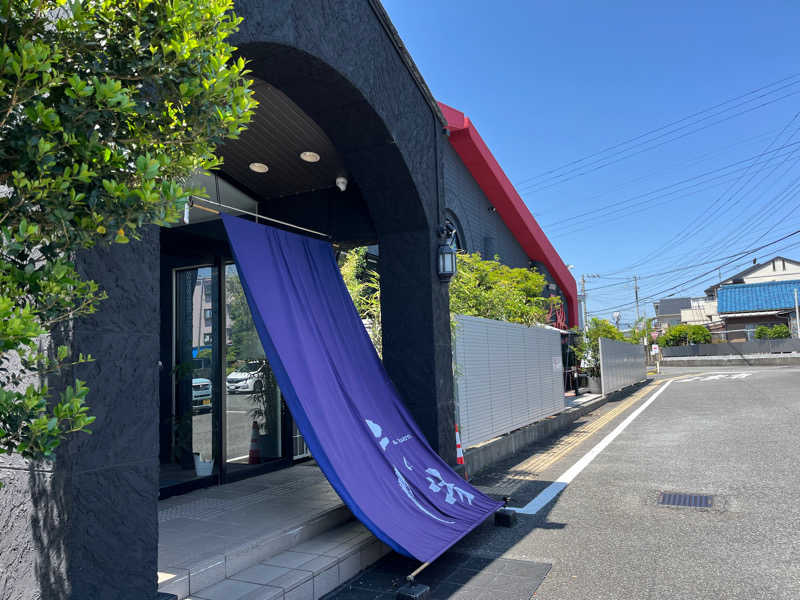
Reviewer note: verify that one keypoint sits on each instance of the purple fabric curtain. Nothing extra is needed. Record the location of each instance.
(348, 410)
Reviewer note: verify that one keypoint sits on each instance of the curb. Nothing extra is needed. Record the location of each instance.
(483, 457)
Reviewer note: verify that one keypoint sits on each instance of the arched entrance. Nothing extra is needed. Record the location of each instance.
(357, 89)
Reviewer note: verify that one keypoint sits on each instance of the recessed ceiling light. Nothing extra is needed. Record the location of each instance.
(309, 156)
(257, 167)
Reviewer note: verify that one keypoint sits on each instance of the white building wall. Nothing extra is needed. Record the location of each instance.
(702, 312)
(776, 270)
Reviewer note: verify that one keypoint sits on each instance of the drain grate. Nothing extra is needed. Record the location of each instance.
(693, 500)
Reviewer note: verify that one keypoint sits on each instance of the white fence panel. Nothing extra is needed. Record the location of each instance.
(507, 376)
(621, 364)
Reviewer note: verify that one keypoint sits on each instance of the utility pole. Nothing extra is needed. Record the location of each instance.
(636, 294)
(583, 294)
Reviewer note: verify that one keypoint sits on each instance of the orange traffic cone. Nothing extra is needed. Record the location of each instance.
(459, 451)
(254, 458)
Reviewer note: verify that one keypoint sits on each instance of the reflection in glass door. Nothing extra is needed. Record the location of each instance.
(253, 408)
(194, 376)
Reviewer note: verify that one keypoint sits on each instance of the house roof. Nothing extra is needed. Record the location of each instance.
(746, 272)
(672, 306)
(491, 178)
(756, 297)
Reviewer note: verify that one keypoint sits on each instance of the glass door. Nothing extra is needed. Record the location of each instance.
(255, 419)
(191, 420)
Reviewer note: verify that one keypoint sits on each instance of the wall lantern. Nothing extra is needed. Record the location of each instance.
(446, 263)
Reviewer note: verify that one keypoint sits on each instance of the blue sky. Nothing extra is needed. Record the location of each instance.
(551, 83)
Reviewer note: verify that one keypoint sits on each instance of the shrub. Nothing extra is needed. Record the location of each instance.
(779, 332)
(762, 332)
(682, 335)
(699, 335)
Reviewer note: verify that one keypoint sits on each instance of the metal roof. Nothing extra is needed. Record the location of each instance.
(672, 306)
(755, 297)
(741, 274)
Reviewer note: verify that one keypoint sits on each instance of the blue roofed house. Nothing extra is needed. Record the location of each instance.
(743, 307)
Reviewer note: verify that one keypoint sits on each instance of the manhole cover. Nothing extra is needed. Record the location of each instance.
(693, 500)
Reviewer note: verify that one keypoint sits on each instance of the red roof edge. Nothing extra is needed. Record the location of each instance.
(491, 178)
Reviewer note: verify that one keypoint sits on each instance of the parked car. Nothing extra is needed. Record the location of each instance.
(247, 379)
(201, 394)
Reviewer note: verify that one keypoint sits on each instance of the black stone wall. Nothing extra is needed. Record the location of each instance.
(482, 230)
(87, 526)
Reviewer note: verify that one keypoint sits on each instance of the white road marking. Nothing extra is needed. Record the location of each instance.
(555, 488)
(715, 377)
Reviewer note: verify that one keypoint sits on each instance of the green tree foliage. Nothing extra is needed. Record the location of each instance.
(641, 331)
(489, 289)
(776, 332)
(245, 343)
(762, 332)
(588, 348)
(480, 288)
(105, 108)
(779, 332)
(364, 286)
(682, 335)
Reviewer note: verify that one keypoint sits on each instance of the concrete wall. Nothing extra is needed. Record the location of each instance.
(86, 525)
(733, 348)
(746, 360)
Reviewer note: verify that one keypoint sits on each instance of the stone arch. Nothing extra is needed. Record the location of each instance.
(344, 68)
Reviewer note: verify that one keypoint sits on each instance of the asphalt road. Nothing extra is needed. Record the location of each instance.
(606, 536)
(239, 425)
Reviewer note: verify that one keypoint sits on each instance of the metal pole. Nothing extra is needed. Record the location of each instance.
(583, 293)
(636, 294)
(796, 313)
(193, 199)
(417, 571)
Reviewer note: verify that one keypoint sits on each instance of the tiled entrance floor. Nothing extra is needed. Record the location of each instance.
(279, 534)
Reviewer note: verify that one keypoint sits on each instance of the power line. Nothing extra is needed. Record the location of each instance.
(697, 223)
(695, 160)
(640, 136)
(675, 287)
(629, 280)
(738, 266)
(751, 159)
(564, 177)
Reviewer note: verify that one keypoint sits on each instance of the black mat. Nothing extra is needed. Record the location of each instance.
(454, 576)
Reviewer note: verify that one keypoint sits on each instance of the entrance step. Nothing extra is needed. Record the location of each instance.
(214, 533)
(309, 569)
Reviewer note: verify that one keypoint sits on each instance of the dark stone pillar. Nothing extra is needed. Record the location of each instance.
(87, 525)
(416, 334)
